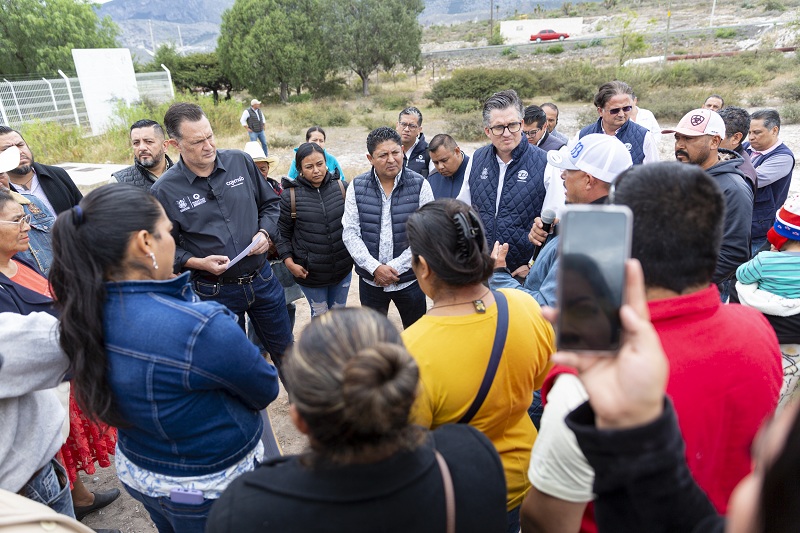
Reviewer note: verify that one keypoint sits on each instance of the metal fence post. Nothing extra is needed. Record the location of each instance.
(169, 76)
(16, 102)
(52, 94)
(71, 98)
(3, 113)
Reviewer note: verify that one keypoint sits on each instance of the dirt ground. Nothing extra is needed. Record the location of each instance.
(347, 144)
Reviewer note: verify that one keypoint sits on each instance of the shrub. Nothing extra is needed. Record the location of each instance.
(725, 33)
(478, 84)
(510, 53)
(465, 127)
(774, 5)
(282, 141)
(756, 100)
(790, 91)
(555, 49)
(576, 92)
(586, 117)
(790, 114)
(370, 122)
(299, 98)
(496, 38)
(392, 101)
(596, 42)
(320, 113)
(672, 104)
(460, 105)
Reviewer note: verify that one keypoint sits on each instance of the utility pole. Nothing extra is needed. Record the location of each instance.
(666, 40)
(711, 20)
(180, 37)
(491, 19)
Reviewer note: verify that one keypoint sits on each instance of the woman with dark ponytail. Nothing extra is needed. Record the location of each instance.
(177, 376)
(481, 353)
(352, 385)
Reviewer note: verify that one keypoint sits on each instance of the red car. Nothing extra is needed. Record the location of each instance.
(548, 35)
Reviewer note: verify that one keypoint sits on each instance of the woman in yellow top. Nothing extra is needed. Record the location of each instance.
(453, 342)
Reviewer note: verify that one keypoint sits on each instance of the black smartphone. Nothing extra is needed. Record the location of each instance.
(594, 243)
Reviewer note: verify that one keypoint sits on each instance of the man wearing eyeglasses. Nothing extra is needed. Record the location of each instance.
(614, 103)
(415, 147)
(535, 128)
(504, 180)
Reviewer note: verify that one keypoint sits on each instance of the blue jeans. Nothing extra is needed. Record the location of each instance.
(320, 299)
(410, 302)
(513, 520)
(171, 517)
(262, 300)
(51, 488)
(756, 246)
(260, 136)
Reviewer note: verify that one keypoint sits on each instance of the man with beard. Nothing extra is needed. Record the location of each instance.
(51, 185)
(697, 139)
(150, 160)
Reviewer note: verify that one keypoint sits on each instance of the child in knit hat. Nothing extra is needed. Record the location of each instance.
(778, 271)
(770, 282)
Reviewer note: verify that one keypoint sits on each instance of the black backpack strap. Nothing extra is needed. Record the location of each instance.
(494, 361)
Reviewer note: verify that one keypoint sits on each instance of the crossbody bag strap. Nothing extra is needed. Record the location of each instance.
(449, 492)
(293, 202)
(494, 361)
(341, 186)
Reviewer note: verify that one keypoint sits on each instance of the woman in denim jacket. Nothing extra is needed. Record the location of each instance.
(176, 375)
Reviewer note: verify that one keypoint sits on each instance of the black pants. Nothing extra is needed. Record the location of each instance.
(410, 302)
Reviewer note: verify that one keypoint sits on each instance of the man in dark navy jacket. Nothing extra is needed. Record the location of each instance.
(504, 181)
(450, 163)
(415, 148)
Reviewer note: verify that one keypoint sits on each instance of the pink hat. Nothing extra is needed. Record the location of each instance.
(700, 122)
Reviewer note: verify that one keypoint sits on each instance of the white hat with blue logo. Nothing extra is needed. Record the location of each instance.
(602, 156)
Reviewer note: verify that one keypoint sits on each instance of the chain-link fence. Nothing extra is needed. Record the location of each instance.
(61, 100)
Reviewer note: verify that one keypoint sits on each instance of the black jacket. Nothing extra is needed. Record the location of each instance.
(314, 239)
(419, 159)
(401, 494)
(14, 298)
(59, 188)
(641, 479)
(738, 195)
(138, 175)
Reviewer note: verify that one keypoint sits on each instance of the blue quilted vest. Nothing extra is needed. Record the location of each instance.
(369, 199)
(520, 202)
(631, 134)
(771, 197)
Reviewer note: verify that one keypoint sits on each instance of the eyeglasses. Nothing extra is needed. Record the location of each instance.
(616, 110)
(498, 130)
(406, 125)
(25, 219)
(530, 133)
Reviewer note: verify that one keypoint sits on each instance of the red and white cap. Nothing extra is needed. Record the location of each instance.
(787, 224)
(700, 122)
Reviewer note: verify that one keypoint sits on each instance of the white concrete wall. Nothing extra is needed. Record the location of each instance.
(519, 31)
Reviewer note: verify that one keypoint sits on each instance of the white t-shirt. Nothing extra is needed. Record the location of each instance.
(558, 468)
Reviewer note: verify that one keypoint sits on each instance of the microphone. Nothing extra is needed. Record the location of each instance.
(548, 217)
(210, 194)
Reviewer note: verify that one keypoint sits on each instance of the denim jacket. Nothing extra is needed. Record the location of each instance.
(40, 249)
(184, 377)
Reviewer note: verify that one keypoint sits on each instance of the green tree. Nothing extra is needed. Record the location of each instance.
(363, 35)
(629, 42)
(202, 71)
(264, 43)
(37, 36)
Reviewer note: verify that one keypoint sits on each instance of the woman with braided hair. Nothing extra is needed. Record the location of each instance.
(481, 353)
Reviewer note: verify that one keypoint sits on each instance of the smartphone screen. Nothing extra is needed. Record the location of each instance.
(594, 244)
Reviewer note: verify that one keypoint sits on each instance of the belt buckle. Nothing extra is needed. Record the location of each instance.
(244, 280)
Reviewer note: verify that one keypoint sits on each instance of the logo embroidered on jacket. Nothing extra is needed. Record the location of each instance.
(522, 175)
(235, 182)
(485, 173)
(628, 146)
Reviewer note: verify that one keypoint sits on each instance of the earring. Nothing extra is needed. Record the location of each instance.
(153, 257)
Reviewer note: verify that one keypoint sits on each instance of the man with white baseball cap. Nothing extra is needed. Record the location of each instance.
(252, 120)
(588, 166)
(697, 139)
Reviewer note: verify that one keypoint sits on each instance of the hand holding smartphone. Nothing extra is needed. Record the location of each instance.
(594, 243)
